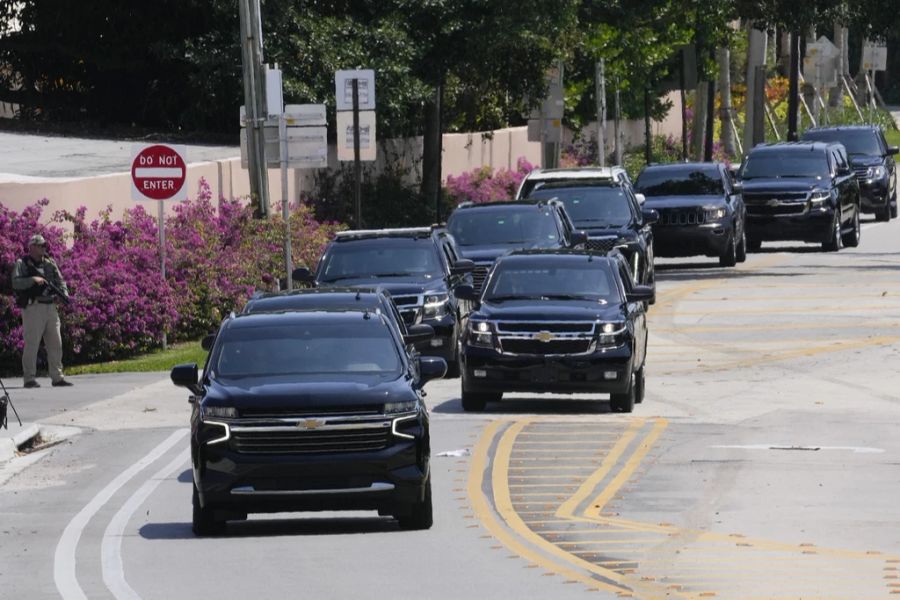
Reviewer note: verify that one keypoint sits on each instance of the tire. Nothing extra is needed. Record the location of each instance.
(741, 250)
(883, 214)
(422, 514)
(894, 205)
(754, 245)
(204, 522)
(729, 257)
(640, 386)
(851, 240)
(624, 403)
(834, 244)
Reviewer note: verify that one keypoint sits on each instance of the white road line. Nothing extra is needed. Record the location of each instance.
(111, 548)
(64, 573)
(855, 449)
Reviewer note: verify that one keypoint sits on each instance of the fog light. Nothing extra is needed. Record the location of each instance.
(479, 373)
(437, 342)
(610, 374)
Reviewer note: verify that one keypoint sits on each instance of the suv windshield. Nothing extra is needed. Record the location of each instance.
(593, 206)
(380, 258)
(525, 225)
(863, 141)
(576, 280)
(800, 163)
(365, 348)
(671, 182)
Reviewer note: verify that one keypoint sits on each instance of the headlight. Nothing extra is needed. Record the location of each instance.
(818, 199)
(435, 305)
(481, 334)
(876, 172)
(219, 412)
(391, 408)
(611, 334)
(714, 214)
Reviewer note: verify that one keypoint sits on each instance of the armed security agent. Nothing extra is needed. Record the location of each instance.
(34, 277)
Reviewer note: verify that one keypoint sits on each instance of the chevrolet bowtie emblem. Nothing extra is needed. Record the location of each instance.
(772, 202)
(544, 336)
(311, 424)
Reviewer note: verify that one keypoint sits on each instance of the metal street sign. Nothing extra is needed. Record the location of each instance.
(550, 132)
(307, 141)
(874, 57)
(158, 172)
(367, 149)
(343, 87)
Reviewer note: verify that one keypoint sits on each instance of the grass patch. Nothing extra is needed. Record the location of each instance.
(161, 360)
(892, 136)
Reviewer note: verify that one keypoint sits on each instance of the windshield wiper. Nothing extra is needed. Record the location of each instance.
(565, 297)
(379, 275)
(512, 297)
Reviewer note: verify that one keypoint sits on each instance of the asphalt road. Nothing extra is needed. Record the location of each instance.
(762, 464)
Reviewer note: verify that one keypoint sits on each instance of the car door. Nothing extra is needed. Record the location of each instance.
(845, 181)
(636, 315)
(645, 232)
(735, 201)
(891, 166)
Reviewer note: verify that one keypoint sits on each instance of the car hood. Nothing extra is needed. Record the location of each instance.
(550, 310)
(397, 286)
(307, 392)
(784, 185)
(488, 254)
(865, 160)
(658, 202)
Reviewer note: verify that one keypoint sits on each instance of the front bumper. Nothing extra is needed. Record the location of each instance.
(874, 194)
(486, 370)
(710, 239)
(443, 344)
(814, 226)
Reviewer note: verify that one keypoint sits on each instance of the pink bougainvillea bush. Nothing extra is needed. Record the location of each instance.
(487, 185)
(216, 257)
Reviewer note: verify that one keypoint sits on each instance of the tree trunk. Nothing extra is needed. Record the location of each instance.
(727, 133)
(698, 130)
(794, 90)
(836, 98)
(432, 150)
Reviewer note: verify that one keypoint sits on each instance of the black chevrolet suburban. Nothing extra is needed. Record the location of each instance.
(802, 191)
(308, 411)
(873, 162)
(556, 322)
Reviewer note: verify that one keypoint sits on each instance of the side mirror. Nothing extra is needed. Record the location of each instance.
(893, 150)
(208, 341)
(651, 217)
(579, 238)
(303, 275)
(466, 292)
(431, 367)
(418, 333)
(186, 376)
(462, 266)
(640, 198)
(640, 293)
(737, 187)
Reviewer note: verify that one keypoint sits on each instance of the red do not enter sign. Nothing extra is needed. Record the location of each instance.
(158, 172)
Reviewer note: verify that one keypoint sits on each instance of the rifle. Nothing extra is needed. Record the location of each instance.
(57, 291)
(5, 401)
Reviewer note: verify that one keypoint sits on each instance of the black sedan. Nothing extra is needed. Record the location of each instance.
(310, 410)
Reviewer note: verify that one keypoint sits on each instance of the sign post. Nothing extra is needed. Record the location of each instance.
(158, 173)
(355, 94)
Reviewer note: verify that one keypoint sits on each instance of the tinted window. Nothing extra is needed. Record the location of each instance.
(590, 206)
(366, 347)
(526, 226)
(855, 141)
(590, 280)
(803, 163)
(392, 258)
(671, 182)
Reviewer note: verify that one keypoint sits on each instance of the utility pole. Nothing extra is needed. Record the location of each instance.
(601, 112)
(255, 103)
(754, 126)
(794, 89)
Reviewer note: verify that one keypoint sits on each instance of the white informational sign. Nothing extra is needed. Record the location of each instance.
(343, 89)
(366, 135)
(820, 63)
(274, 92)
(305, 115)
(307, 141)
(874, 57)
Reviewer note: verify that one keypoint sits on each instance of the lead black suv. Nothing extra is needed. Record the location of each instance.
(556, 322)
(700, 212)
(317, 410)
(487, 231)
(607, 209)
(800, 191)
(873, 162)
(418, 266)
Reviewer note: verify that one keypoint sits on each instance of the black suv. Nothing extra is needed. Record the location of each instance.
(873, 162)
(700, 212)
(309, 410)
(556, 322)
(418, 266)
(487, 231)
(610, 213)
(800, 191)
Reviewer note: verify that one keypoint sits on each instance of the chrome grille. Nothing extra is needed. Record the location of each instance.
(601, 244)
(298, 439)
(479, 274)
(547, 337)
(554, 347)
(774, 204)
(682, 216)
(861, 172)
(299, 413)
(410, 308)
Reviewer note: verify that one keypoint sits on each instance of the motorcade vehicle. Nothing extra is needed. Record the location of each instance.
(802, 191)
(309, 411)
(700, 211)
(556, 322)
(418, 266)
(872, 159)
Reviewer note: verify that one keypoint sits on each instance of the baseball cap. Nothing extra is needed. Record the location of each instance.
(37, 240)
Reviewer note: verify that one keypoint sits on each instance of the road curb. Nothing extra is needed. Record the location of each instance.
(9, 446)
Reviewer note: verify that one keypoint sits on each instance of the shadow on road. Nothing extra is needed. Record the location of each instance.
(534, 405)
(277, 527)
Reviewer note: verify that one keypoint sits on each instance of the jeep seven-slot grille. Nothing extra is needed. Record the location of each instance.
(601, 244)
(547, 337)
(682, 216)
(479, 274)
(263, 440)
